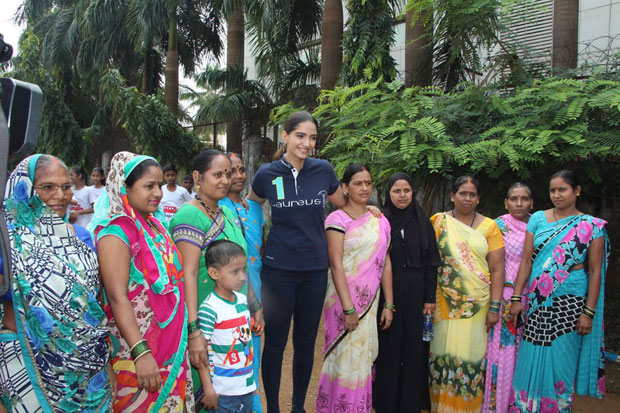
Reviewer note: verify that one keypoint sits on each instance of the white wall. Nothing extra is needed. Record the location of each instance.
(599, 28)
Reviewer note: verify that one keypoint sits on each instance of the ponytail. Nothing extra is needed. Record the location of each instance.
(279, 153)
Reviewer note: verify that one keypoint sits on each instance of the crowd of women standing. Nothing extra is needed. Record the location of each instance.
(107, 320)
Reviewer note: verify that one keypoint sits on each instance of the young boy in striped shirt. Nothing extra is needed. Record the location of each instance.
(225, 323)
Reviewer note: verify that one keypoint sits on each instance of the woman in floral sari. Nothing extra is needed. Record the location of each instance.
(504, 337)
(357, 243)
(469, 288)
(565, 258)
(53, 348)
(143, 280)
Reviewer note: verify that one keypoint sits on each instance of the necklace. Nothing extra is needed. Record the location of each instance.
(211, 213)
(351, 216)
(472, 221)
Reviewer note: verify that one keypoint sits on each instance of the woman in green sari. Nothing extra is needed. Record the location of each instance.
(195, 225)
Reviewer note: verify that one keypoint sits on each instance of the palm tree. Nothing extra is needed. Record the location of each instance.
(235, 42)
(83, 38)
(460, 31)
(331, 43)
(565, 34)
(171, 85)
(230, 96)
(279, 31)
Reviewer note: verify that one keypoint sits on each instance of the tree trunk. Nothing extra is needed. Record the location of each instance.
(171, 87)
(331, 43)
(148, 73)
(235, 42)
(418, 51)
(565, 35)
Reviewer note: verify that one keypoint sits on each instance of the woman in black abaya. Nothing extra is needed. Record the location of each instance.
(401, 381)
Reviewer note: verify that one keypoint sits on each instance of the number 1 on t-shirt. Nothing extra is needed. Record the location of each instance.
(279, 183)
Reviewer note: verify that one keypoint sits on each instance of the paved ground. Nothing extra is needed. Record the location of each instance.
(611, 403)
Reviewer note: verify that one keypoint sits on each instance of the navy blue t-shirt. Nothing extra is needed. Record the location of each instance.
(297, 239)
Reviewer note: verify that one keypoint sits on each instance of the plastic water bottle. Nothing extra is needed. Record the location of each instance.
(427, 328)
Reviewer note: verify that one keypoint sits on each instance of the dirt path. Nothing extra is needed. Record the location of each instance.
(610, 404)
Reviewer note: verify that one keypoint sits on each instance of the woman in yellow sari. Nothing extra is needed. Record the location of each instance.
(469, 287)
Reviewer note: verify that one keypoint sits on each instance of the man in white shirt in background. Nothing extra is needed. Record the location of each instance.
(173, 195)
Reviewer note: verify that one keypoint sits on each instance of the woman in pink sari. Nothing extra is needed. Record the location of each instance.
(357, 243)
(504, 337)
(142, 275)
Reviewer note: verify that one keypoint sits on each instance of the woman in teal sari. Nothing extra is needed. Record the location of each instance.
(565, 259)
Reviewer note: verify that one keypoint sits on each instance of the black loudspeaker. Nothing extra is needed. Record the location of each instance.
(21, 104)
(20, 117)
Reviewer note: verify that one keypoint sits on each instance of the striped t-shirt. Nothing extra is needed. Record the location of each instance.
(226, 325)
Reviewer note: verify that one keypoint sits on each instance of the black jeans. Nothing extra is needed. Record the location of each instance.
(290, 293)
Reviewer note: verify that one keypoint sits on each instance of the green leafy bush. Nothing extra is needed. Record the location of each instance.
(429, 133)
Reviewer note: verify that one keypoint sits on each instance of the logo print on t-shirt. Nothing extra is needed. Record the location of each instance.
(279, 183)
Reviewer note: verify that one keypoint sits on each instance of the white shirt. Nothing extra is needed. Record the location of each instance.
(173, 200)
(97, 191)
(226, 326)
(85, 199)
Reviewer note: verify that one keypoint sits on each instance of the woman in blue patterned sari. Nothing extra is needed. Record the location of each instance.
(565, 257)
(53, 345)
(252, 223)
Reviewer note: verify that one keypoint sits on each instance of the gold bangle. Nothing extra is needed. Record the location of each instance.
(138, 349)
(389, 306)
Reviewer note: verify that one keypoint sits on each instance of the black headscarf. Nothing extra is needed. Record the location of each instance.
(420, 243)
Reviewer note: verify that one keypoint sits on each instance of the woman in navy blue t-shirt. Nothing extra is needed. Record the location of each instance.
(294, 273)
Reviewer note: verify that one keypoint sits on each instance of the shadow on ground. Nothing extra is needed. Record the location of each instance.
(583, 404)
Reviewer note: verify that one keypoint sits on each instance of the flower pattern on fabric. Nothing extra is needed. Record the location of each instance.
(345, 383)
(155, 290)
(456, 377)
(561, 248)
(461, 302)
(570, 251)
(53, 275)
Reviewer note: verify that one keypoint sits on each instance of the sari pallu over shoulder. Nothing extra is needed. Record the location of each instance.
(464, 280)
(504, 338)
(365, 248)
(552, 268)
(457, 351)
(155, 291)
(54, 284)
(345, 383)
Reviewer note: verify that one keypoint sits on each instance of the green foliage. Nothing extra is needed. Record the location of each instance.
(279, 32)
(436, 136)
(230, 96)
(461, 29)
(368, 38)
(152, 128)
